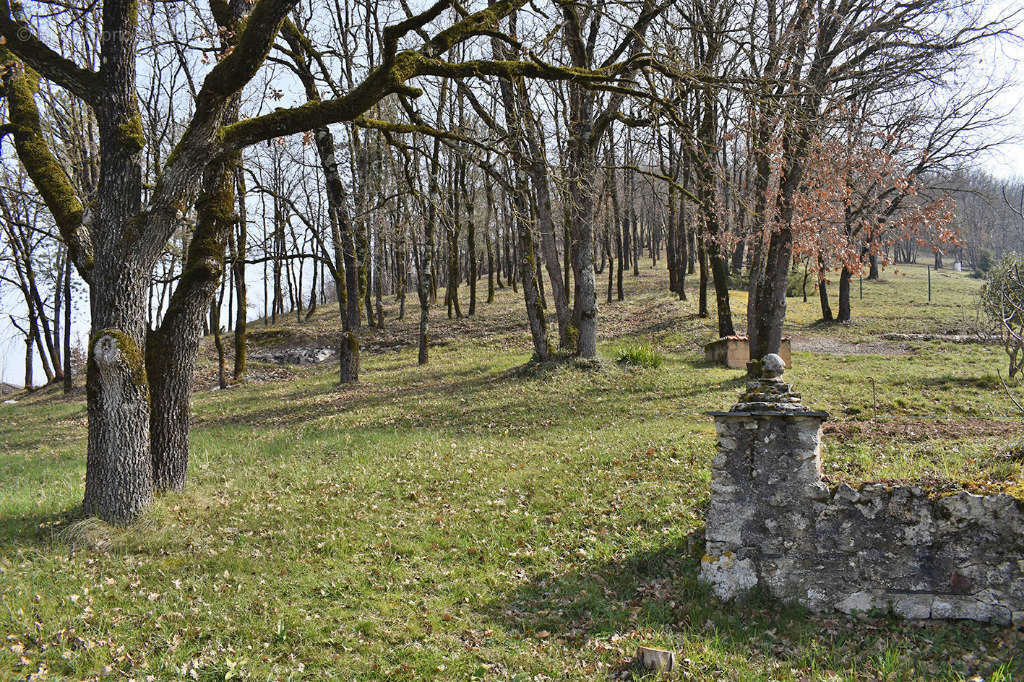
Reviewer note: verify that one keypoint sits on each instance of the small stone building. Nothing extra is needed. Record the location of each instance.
(734, 352)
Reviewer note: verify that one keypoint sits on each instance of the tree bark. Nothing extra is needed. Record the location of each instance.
(238, 267)
(172, 349)
(844, 295)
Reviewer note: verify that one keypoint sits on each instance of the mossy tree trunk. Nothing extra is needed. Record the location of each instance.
(119, 475)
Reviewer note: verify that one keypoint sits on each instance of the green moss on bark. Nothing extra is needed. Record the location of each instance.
(131, 134)
(131, 356)
(49, 177)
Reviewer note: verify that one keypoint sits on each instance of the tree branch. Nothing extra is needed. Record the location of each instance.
(50, 178)
(20, 40)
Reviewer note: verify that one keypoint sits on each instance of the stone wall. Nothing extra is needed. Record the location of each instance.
(773, 523)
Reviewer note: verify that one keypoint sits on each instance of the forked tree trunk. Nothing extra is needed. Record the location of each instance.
(172, 350)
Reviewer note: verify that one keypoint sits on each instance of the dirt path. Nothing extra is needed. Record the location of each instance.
(824, 344)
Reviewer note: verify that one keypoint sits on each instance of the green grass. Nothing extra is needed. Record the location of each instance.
(638, 355)
(470, 519)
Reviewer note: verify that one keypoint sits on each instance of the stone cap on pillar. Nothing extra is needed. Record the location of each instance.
(770, 395)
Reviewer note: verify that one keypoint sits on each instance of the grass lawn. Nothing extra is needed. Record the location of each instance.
(475, 520)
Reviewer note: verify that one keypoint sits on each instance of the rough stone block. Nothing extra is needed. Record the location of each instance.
(915, 606)
(728, 576)
(861, 602)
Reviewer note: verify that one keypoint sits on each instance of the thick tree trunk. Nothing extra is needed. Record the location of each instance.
(770, 307)
(844, 295)
(119, 470)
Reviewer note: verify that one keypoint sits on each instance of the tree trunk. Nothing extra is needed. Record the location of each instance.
(471, 252)
(737, 256)
(119, 470)
(29, 379)
(720, 276)
(527, 271)
(844, 295)
(487, 239)
(218, 342)
(172, 349)
(238, 267)
(826, 308)
(68, 379)
(770, 306)
(611, 265)
(582, 168)
(702, 298)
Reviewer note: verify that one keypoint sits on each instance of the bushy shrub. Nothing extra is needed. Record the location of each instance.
(638, 355)
(984, 262)
(1002, 305)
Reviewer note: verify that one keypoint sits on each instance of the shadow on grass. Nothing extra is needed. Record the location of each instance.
(656, 593)
(987, 382)
(456, 386)
(34, 530)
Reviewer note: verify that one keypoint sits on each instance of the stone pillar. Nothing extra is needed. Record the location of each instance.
(765, 484)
